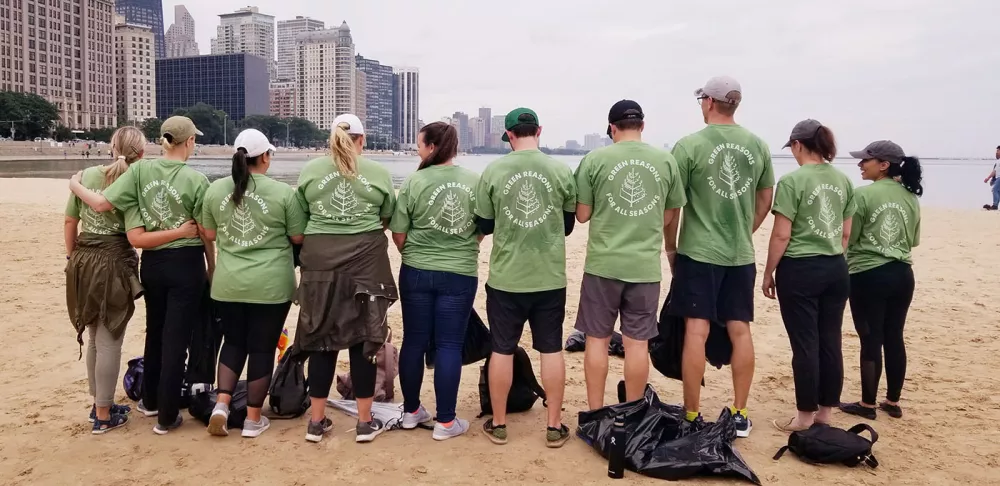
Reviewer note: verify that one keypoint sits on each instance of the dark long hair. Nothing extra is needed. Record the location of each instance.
(822, 143)
(444, 138)
(241, 173)
(910, 174)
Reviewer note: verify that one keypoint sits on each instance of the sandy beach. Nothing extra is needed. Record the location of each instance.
(948, 435)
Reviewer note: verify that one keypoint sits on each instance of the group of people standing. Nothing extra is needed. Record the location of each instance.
(633, 196)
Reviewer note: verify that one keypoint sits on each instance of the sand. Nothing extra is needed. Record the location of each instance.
(947, 437)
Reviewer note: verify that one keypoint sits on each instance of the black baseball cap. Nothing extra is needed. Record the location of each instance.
(624, 110)
(803, 130)
(886, 150)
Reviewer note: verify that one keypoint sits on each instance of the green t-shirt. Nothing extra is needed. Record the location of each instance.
(106, 223)
(435, 209)
(817, 199)
(629, 185)
(337, 205)
(722, 167)
(885, 228)
(526, 192)
(255, 257)
(166, 193)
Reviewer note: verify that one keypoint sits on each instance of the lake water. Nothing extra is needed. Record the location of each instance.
(956, 184)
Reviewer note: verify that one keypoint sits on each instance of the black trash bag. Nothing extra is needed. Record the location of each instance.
(661, 444)
(203, 351)
(478, 343)
(202, 405)
(666, 351)
(577, 343)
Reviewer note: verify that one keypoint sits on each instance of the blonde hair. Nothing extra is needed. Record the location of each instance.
(170, 146)
(127, 146)
(342, 148)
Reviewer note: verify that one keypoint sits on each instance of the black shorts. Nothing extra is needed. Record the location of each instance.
(544, 311)
(713, 292)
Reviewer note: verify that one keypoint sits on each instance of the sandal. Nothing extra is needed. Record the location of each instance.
(787, 428)
(556, 437)
(497, 434)
(894, 411)
(115, 421)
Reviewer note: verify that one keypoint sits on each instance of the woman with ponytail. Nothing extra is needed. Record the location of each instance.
(347, 286)
(435, 231)
(886, 228)
(161, 200)
(254, 220)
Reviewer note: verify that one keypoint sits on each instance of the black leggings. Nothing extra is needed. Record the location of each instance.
(880, 299)
(323, 364)
(251, 331)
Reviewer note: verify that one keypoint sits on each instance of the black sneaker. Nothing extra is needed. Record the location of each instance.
(858, 409)
(316, 430)
(689, 427)
(743, 425)
(165, 429)
(115, 409)
(893, 410)
(368, 431)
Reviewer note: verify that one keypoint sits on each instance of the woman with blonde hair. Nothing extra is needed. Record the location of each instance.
(346, 287)
(160, 199)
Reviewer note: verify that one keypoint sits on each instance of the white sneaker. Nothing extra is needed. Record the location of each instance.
(217, 423)
(458, 427)
(413, 420)
(253, 429)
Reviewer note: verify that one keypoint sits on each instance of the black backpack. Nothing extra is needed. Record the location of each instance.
(203, 404)
(289, 393)
(823, 444)
(524, 389)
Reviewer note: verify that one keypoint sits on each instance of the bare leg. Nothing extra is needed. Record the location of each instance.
(501, 375)
(636, 367)
(824, 416)
(742, 361)
(253, 414)
(693, 365)
(318, 409)
(365, 409)
(595, 370)
(554, 383)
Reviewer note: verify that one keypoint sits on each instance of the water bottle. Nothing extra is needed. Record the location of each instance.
(616, 451)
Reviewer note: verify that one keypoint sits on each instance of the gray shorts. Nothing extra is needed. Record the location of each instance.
(602, 300)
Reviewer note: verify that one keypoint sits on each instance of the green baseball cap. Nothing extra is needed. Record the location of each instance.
(519, 116)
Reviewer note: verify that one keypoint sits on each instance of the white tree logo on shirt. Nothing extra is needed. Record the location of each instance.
(889, 227)
(530, 194)
(527, 199)
(826, 221)
(344, 200)
(161, 206)
(242, 220)
(452, 211)
(243, 228)
(454, 215)
(344, 204)
(728, 181)
(632, 191)
(97, 223)
(826, 213)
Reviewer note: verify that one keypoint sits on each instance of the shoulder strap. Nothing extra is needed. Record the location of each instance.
(780, 453)
(529, 375)
(858, 429)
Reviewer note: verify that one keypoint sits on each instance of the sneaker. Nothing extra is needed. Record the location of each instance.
(115, 409)
(894, 411)
(217, 423)
(689, 427)
(103, 426)
(316, 430)
(165, 429)
(253, 429)
(497, 434)
(743, 425)
(556, 437)
(413, 420)
(143, 410)
(457, 428)
(368, 431)
(858, 409)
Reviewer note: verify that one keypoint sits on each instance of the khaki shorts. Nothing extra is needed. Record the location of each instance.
(603, 300)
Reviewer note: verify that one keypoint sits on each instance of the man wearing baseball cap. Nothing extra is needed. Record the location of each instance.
(526, 199)
(628, 192)
(727, 173)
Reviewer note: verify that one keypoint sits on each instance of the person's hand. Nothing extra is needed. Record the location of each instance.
(768, 287)
(986, 180)
(189, 229)
(76, 177)
(671, 257)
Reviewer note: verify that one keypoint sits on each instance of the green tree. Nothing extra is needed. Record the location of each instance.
(210, 122)
(99, 135)
(271, 126)
(28, 115)
(63, 134)
(151, 128)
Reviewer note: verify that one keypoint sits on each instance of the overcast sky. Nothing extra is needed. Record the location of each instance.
(923, 73)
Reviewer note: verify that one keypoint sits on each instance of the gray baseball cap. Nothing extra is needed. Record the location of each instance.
(803, 130)
(719, 87)
(883, 150)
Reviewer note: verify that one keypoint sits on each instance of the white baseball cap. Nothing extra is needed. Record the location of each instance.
(254, 142)
(354, 125)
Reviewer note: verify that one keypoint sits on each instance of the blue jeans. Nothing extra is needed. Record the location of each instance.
(435, 304)
(996, 191)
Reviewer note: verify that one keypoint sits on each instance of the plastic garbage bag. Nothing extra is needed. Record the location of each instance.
(666, 351)
(478, 343)
(661, 444)
(577, 343)
(391, 414)
(202, 405)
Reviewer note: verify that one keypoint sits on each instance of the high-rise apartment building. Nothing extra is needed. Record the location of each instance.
(246, 30)
(407, 81)
(496, 131)
(379, 101)
(135, 71)
(288, 30)
(360, 90)
(180, 39)
(325, 75)
(487, 115)
(464, 135)
(142, 12)
(63, 53)
(593, 141)
(477, 128)
(234, 83)
(283, 100)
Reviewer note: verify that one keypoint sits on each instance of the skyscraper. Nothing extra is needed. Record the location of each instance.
(234, 83)
(246, 30)
(378, 101)
(325, 75)
(464, 135)
(408, 105)
(496, 131)
(487, 115)
(180, 38)
(144, 12)
(283, 99)
(360, 90)
(288, 30)
(593, 141)
(477, 127)
(135, 71)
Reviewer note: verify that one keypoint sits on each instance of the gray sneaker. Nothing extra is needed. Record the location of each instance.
(217, 423)
(165, 429)
(316, 430)
(413, 420)
(253, 429)
(145, 411)
(457, 428)
(368, 431)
